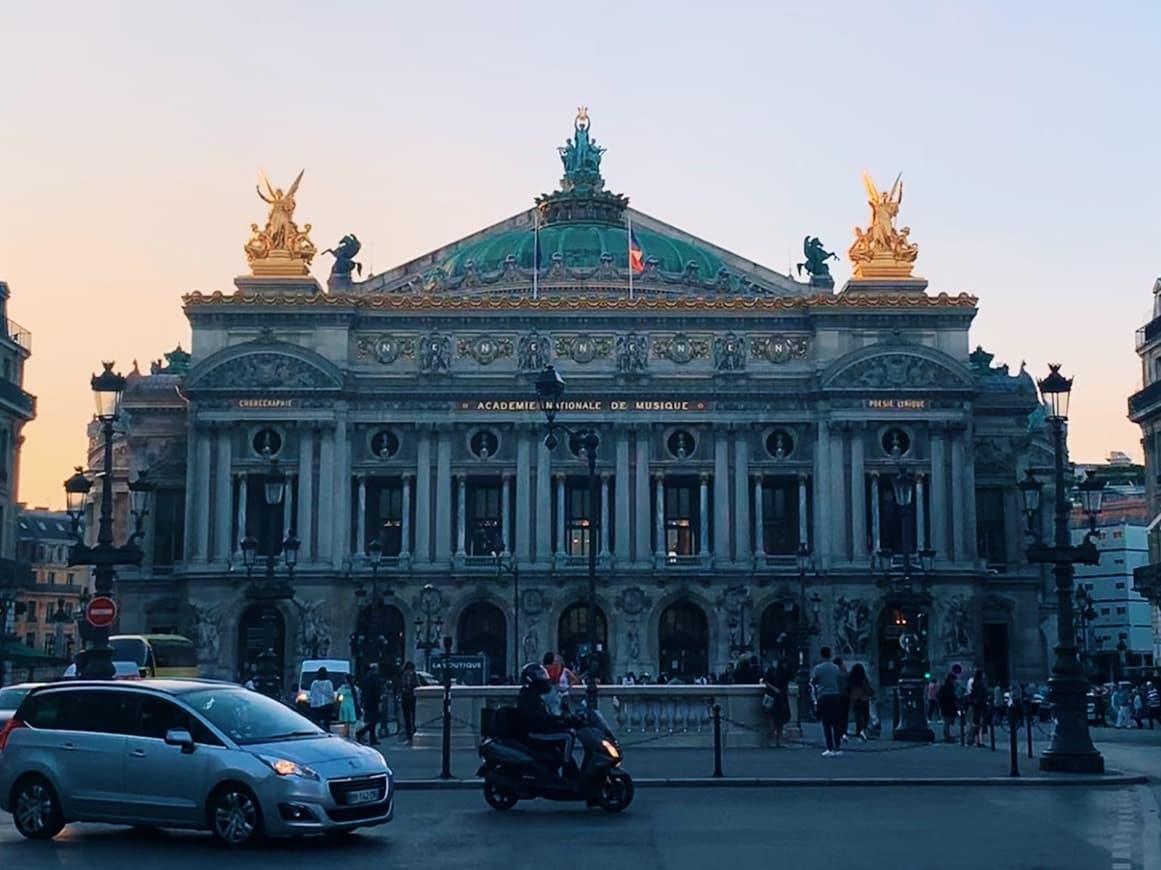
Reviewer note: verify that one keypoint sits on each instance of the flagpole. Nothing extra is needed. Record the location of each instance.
(536, 253)
(629, 250)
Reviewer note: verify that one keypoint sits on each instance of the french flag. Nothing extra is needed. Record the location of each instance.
(636, 254)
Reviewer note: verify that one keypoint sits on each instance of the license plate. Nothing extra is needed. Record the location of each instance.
(363, 796)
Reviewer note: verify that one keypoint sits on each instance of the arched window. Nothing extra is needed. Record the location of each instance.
(251, 641)
(683, 641)
(778, 633)
(483, 629)
(379, 637)
(573, 633)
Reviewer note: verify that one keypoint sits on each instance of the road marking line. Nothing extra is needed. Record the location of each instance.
(1150, 827)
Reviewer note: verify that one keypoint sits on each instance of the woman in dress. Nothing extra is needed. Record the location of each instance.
(347, 715)
(861, 695)
(775, 699)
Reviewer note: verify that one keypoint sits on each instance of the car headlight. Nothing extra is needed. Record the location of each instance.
(302, 698)
(283, 767)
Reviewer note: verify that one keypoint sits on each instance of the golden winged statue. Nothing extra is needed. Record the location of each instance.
(280, 249)
(880, 251)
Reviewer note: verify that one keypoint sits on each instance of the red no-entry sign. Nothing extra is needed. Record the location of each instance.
(101, 612)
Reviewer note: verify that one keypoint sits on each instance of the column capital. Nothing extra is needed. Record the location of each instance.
(408, 476)
(703, 478)
(803, 476)
(658, 476)
(558, 475)
(506, 476)
(460, 476)
(757, 476)
(606, 476)
(874, 474)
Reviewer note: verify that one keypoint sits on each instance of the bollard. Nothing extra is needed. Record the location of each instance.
(446, 772)
(1028, 720)
(717, 740)
(1014, 741)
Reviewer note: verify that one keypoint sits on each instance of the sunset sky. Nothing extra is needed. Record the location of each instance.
(1029, 137)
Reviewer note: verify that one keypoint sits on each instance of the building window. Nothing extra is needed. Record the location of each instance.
(484, 444)
(1120, 611)
(483, 527)
(30, 613)
(680, 444)
(682, 519)
(1104, 611)
(779, 444)
(168, 526)
(384, 514)
(52, 578)
(266, 442)
(30, 640)
(580, 521)
(897, 529)
(384, 444)
(896, 442)
(991, 542)
(265, 521)
(1120, 585)
(780, 516)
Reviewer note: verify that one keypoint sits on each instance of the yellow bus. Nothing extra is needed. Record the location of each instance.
(157, 655)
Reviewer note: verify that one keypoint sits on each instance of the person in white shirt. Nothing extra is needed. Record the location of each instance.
(322, 699)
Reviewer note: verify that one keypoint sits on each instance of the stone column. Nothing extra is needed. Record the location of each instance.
(240, 527)
(803, 524)
(822, 512)
(742, 549)
(443, 499)
(959, 512)
(405, 524)
(523, 547)
(342, 498)
(876, 523)
(461, 515)
(967, 459)
(543, 504)
(721, 517)
(939, 493)
(858, 496)
(759, 522)
(423, 496)
(361, 519)
(703, 549)
(604, 551)
(621, 543)
(223, 498)
(659, 526)
(288, 507)
(305, 494)
(839, 506)
(191, 504)
(202, 476)
(561, 550)
(505, 510)
(326, 496)
(642, 525)
(920, 501)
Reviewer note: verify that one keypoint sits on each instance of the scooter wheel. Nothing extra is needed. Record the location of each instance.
(498, 797)
(617, 792)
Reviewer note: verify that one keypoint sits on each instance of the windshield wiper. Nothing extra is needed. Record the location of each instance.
(289, 735)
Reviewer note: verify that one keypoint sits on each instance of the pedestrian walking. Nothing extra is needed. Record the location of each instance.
(322, 699)
(1124, 705)
(860, 693)
(347, 697)
(844, 699)
(825, 679)
(775, 699)
(978, 707)
(948, 706)
(1154, 702)
(408, 683)
(932, 702)
(372, 687)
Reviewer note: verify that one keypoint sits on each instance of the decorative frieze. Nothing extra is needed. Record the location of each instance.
(779, 349)
(681, 348)
(484, 349)
(584, 348)
(385, 349)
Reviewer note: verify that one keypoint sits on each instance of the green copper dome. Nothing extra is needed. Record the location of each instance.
(580, 246)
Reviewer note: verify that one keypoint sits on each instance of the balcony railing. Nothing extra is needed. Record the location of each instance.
(1147, 581)
(1144, 399)
(12, 394)
(1148, 332)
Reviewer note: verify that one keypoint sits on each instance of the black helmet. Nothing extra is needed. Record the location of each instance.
(534, 676)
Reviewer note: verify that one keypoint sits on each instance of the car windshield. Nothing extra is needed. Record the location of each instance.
(248, 717)
(10, 698)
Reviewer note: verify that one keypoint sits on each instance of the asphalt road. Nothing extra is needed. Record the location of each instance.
(696, 828)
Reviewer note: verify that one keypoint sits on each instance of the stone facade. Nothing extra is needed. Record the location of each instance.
(742, 414)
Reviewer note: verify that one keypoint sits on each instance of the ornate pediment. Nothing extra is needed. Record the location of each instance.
(898, 370)
(264, 365)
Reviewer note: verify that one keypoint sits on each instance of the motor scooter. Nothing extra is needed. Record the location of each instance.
(515, 769)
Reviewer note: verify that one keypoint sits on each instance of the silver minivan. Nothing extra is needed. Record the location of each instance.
(183, 753)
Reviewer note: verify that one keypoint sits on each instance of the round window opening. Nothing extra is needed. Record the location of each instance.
(896, 442)
(680, 444)
(779, 444)
(267, 442)
(484, 444)
(384, 444)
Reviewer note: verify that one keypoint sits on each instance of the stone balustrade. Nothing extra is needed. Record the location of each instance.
(677, 716)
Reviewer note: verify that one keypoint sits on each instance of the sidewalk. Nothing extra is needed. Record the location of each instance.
(877, 762)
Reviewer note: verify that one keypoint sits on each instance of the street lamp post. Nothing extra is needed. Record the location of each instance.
(1085, 616)
(428, 627)
(509, 566)
(804, 628)
(1071, 749)
(372, 640)
(270, 589)
(549, 389)
(96, 662)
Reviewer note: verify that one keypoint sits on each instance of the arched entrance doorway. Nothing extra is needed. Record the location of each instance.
(683, 641)
(251, 640)
(896, 620)
(379, 638)
(778, 633)
(572, 635)
(484, 629)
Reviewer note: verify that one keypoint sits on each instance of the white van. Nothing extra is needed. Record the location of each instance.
(336, 669)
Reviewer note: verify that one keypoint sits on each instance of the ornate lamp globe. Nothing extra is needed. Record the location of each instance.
(904, 487)
(1055, 391)
(249, 546)
(549, 389)
(1030, 489)
(139, 490)
(76, 491)
(107, 389)
(1092, 492)
(375, 552)
(274, 487)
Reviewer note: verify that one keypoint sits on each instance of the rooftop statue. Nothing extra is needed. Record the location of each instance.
(881, 251)
(816, 257)
(280, 249)
(345, 252)
(581, 156)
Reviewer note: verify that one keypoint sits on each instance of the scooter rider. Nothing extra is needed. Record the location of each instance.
(537, 724)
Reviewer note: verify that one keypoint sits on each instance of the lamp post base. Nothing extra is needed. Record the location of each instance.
(1071, 749)
(1090, 762)
(96, 663)
(913, 727)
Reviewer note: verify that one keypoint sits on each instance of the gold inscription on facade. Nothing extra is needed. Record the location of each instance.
(263, 403)
(897, 404)
(532, 406)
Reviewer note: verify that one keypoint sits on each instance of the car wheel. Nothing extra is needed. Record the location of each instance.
(36, 809)
(498, 797)
(234, 816)
(617, 792)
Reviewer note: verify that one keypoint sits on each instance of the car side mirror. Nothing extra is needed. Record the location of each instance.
(180, 737)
